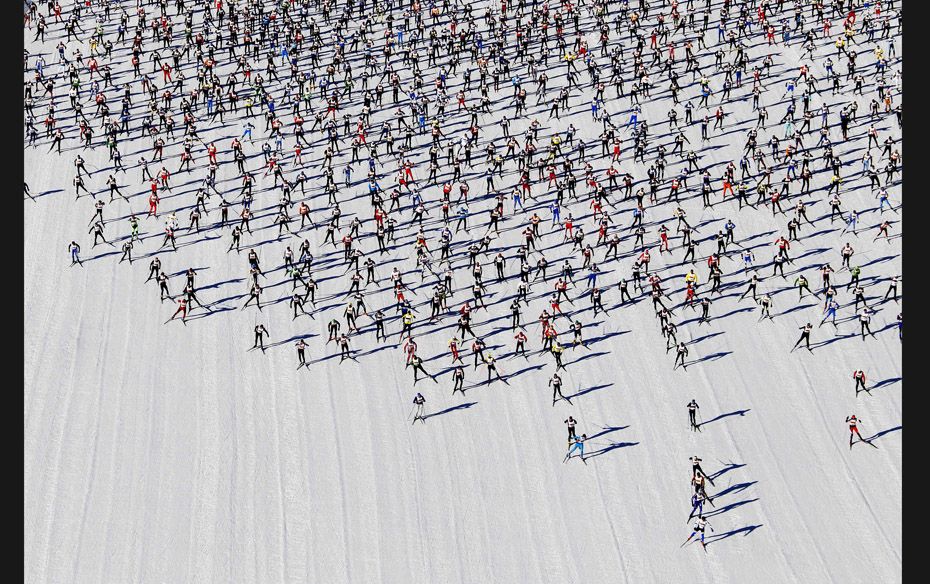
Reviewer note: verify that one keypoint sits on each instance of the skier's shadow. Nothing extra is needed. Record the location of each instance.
(735, 488)
(730, 466)
(833, 340)
(708, 336)
(711, 357)
(885, 382)
(721, 536)
(883, 432)
(606, 430)
(452, 409)
(611, 447)
(588, 356)
(293, 339)
(795, 309)
(727, 415)
(589, 390)
(47, 193)
(723, 510)
(211, 312)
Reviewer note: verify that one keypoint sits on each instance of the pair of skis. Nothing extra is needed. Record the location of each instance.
(704, 545)
(869, 442)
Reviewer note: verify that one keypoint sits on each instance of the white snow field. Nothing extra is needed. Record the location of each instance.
(171, 453)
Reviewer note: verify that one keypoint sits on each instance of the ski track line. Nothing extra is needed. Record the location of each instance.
(114, 492)
(246, 480)
(206, 480)
(425, 558)
(281, 475)
(337, 443)
(92, 471)
(234, 466)
(367, 505)
(303, 463)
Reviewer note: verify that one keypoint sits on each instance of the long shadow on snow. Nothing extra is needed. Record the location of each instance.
(883, 432)
(885, 382)
(611, 447)
(589, 390)
(451, 409)
(721, 536)
(721, 416)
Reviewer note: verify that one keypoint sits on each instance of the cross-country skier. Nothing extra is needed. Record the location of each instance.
(458, 378)
(570, 424)
(260, 332)
(417, 364)
(680, 355)
(579, 446)
(555, 382)
(805, 337)
(693, 407)
(301, 346)
(696, 468)
(420, 407)
(859, 378)
(854, 422)
(75, 250)
(699, 527)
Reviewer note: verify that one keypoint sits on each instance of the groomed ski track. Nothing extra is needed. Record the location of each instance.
(168, 453)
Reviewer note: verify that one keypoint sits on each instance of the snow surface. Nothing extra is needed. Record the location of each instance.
(168, 453)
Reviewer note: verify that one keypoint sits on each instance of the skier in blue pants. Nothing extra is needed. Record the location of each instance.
(697, 505)
(556, 213)
(577, 445)
(699, 528)
(75, 251)
(831, 313)
(592, 277)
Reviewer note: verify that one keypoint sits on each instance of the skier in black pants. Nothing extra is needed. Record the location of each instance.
(696, 468)
(417, 363)
(859, 377)
(705, 311)
(419, 403)
(333, 328)
(162, 280)
(864, 318)
(571, 427)
(556, 383)
(753, 282)
(458, 376)
(624, 294)
(260, 332)
(680, 356)
(893, 288)
(154, 269)
(805, 337)
(492, 368)
(301, 345)
(693, 407)
(254, 294)
(344, 348)
(127, 252)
